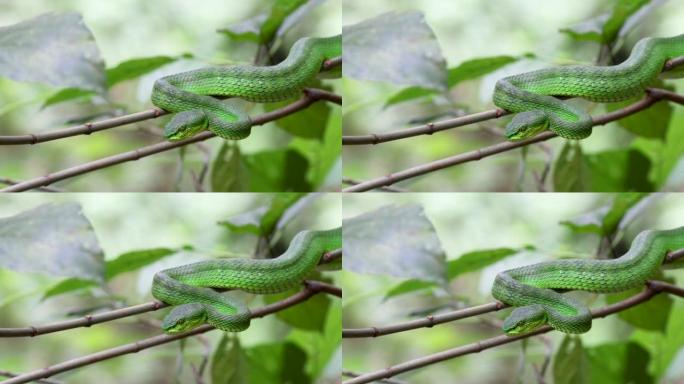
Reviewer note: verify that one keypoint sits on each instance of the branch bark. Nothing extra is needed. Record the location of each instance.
(310, 96)
(311, 288)
(652, 288)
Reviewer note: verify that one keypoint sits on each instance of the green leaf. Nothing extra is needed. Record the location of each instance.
(280, 10)
(262, 220)
(664, 156)
(229, 363)
(395, 47)
(53, 48)
(619, 362)
(67, 285)
(402, 241)
(476, 68)
(620, 170)
(569, 170)
(407, 94)
(308, 123)
(606, 219)
(588, 30)
(53, 239)
(571, 364)
(134, 260)
(651, 122)
(134, 68)
(310, 314)
(622, 10)
(282, 362)
(65, 95)
(408, 286)
(246, 30)
(227, 171)
(323, 156)
(651, 315)
(279, 170)
(476, 260)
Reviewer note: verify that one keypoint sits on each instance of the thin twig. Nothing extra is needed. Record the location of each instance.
(652, 96)
(349, 181)
(331, 256)
(311, 288)
(384, 381)
(310, 96)
(44, 381)
(652, 288)
(7, 181)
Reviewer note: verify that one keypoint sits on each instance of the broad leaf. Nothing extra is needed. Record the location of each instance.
(651, 122)
(651, 315)
(619, 362)
(262, 220)
(134, 68)
(394, 240)
(310, 314)
(282, 362)
(395, 47)
(571, 364)
(476, 260)
(229, 363)
(227, 170)
(53, 48)
(53, 239)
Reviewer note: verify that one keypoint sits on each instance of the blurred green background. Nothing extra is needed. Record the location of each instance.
(128, 222)
(130, 29)
(469, 222)
(470, 29)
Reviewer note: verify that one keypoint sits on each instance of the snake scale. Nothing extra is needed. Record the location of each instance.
(531, 288)
(189, 287)
(531, 94)
(189, 94)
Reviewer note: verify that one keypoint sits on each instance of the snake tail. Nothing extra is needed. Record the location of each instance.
(532, 288)
(189, 287)
(190, 93)
(531, 94)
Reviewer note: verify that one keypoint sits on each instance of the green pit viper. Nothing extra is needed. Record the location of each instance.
(189, 287)
(189, 94)
(530, 95)
(532, 288)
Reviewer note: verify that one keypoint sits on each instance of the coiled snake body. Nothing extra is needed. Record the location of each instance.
(530, 95)
(189, 93)
(531, 288)
(188, 287)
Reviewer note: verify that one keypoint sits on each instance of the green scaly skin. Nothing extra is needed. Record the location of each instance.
(531, 288)
(189, 93)
(189, 287)
(531, 94)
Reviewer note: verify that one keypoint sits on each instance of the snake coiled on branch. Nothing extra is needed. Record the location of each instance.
(531, 95)
(189, 287)
(189, 94)
(532, 288)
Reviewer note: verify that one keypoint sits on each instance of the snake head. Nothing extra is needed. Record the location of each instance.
(527, 124)
(186, 124)
(524, 319)
(184, 318)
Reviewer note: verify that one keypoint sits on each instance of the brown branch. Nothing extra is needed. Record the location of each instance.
(311, 288)
(332, 63)
(426, 322)
(653, 95)
(652, 288)
(310, 96)
(384, 381)
(331, 256)
(12, 374)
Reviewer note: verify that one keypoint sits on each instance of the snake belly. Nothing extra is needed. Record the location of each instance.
(189, 287)
(531, 94)
(189, 94)
(531, 288)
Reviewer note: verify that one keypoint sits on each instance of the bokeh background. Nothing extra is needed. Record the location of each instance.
(127, 222)
(126, 30)
(471, 29)
(469, 222)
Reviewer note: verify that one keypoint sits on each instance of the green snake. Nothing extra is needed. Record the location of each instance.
(531, 94)
(189, 287)
(532, 288)
(189, 94)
